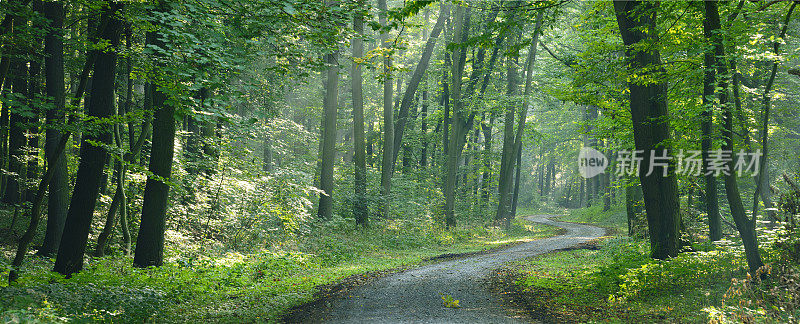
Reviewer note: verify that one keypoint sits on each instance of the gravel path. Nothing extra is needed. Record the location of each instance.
(414, 296)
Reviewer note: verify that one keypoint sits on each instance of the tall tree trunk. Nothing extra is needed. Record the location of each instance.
(58, 200)
(388, 116)
(360, 208)
(16, 141)
(523, 113)
(460, 122)
(637, 23)
(328, 153)
(416, 78)
(706, 125)
(745, 226)
(762, 180)
(507, 156)
(150, 241)
(92, 158)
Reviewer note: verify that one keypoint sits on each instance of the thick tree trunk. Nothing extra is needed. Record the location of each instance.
(92, 158)
(58, 200)
(150, 241)
(507, 156)
(637, 23)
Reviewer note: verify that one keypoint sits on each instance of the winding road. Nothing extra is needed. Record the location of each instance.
(414, 296)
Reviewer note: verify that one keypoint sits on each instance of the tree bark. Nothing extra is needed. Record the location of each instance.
(92, 158)
(149, 249)
(388, 116)
(360, 208)
(648, 102)
(460, 122)
(58, 200)
(706, 124)
(745, 226)
(413, 84)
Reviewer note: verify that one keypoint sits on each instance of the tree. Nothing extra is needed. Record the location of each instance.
(387, 169)
(712, 206)
(150, 241)
(461, 121)
(416, 78)
(58, 201)
(360, 210)
(93, 156)
(328, 153)
(648, 103)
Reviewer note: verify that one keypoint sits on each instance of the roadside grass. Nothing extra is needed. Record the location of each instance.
(234, 287)
(619, 282)
(615, 280)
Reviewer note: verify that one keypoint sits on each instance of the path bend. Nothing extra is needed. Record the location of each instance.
(414, 296)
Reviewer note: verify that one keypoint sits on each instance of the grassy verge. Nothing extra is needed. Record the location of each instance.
(615, 280)
(618, 282)
(233, 287)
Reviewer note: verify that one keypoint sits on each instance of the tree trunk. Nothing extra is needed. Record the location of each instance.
(360, 208)
(706, 125)
(745, 226)
(648, 104)
(58, 200)
(388, 117)
(328, 153)
(633, 203)
(460, 122)
(92, 158)
(413, 84)
(150, 241)
(16, 137)
(523, 113)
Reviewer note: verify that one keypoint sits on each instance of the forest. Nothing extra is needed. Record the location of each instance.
(388, 161)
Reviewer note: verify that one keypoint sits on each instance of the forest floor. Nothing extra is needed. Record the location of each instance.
(197, 285)
(449, 291)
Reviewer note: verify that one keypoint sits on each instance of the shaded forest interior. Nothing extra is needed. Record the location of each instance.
(227, 160)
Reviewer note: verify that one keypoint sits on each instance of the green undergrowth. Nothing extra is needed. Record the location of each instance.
(620, 283)
(234, 287)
